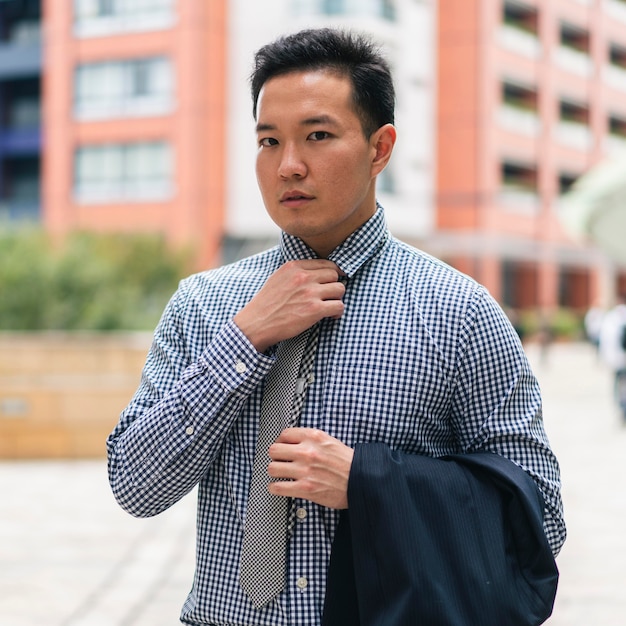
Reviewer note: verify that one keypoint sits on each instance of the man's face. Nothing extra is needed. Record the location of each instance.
(315, 167)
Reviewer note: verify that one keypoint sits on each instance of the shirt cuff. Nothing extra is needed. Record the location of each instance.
(234, 362)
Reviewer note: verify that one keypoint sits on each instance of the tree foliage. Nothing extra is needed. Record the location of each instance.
(91, 282)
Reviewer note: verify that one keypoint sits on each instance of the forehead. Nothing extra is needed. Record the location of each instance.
(306, 92)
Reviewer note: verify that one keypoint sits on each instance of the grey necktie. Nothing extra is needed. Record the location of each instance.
(264, 550)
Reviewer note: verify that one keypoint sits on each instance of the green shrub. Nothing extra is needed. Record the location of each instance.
(561, 323)
(92, 282)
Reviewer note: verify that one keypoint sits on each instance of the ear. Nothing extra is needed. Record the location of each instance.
(382, 142)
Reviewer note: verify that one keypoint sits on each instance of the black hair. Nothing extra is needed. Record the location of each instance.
(347, 53)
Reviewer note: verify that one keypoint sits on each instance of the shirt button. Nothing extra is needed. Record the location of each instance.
(301, 513)
(302, 582)
(189, 430)
(240, 367)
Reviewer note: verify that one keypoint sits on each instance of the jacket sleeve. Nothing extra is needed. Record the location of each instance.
(457, 540)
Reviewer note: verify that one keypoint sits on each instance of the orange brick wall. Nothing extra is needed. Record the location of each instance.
(61, 394)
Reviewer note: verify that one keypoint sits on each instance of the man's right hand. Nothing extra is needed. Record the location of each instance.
(296, 296)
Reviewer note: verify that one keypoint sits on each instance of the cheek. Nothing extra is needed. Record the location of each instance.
(262, 175)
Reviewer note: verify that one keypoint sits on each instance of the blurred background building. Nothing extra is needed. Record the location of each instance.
(134, 115)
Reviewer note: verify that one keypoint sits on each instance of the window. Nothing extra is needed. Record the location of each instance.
(22, 98)
(519, 96)
(20, 22)
(517, 176)
(518, 112)
(520, 16)
(617, 126)
(574, 38)
(377, 8)
(573, 128)
(132, 172)
(21, 180)
(93, 18)
(617, 56)
(574, 113)
(518, 187)
(124, 88)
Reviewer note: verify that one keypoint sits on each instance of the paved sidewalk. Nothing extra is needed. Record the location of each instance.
(70, 557)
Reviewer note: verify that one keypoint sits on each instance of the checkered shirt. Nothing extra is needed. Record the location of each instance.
(423, 359)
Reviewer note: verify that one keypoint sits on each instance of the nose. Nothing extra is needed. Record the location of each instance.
(291, 163)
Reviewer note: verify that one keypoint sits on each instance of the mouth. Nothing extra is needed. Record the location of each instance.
(295, 198)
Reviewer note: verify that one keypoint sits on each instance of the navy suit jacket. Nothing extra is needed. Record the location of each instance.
(454, 541)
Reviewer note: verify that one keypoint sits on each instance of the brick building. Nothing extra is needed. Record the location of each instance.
(134, 115)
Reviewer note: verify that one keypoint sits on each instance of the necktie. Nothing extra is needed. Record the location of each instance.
(264, 550)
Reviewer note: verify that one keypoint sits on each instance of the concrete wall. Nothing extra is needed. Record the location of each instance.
(61, 393)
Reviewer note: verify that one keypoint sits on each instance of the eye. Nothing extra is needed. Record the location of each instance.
(319, 135)
(267, 142)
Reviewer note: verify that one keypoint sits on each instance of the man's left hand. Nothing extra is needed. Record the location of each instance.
(313, 466)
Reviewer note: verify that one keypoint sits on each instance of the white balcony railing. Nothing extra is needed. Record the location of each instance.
(614, 77)
(573, 135)
(518, 198)
(614, 144)
(519, 120)
(615, 9)
(519, 41)
(573, 61)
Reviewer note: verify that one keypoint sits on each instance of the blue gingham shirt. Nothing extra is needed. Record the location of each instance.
(423, 360)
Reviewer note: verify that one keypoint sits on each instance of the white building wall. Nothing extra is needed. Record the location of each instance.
(410, 45)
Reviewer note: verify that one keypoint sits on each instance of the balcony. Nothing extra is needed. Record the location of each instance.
(518, 199)
(574, 61)
(614, 144)
(20, 141)
(615, 9)
(519, 41)
(519, 120)
(518, 188)
(122, 17)
(518, 111)
(614, 77)
(573, 53)
(519, 29)
(19, 211)
(573, 135)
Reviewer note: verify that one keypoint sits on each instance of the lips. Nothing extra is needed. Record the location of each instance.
(295, 197)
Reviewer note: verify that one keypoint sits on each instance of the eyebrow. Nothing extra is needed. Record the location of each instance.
(309, 121)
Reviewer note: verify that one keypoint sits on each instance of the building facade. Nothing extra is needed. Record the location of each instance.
(531, 94)
(133, 110)
(146, 125)
(20, 118)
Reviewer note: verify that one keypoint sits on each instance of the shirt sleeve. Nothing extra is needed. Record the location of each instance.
(497, 404)
(176, 423)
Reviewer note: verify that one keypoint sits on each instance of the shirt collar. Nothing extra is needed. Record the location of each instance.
(350, 255)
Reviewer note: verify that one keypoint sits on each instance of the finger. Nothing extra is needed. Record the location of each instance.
(316, 264)
(281, 470)
(322, 269)
(282, 452)
(332, 291)
(327, 275)
(293, 434)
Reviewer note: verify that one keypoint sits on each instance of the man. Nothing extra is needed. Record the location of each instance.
(410, 355)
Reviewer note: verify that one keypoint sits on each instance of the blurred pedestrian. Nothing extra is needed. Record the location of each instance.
(397, 380)
(613, 348)
(593, 325)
